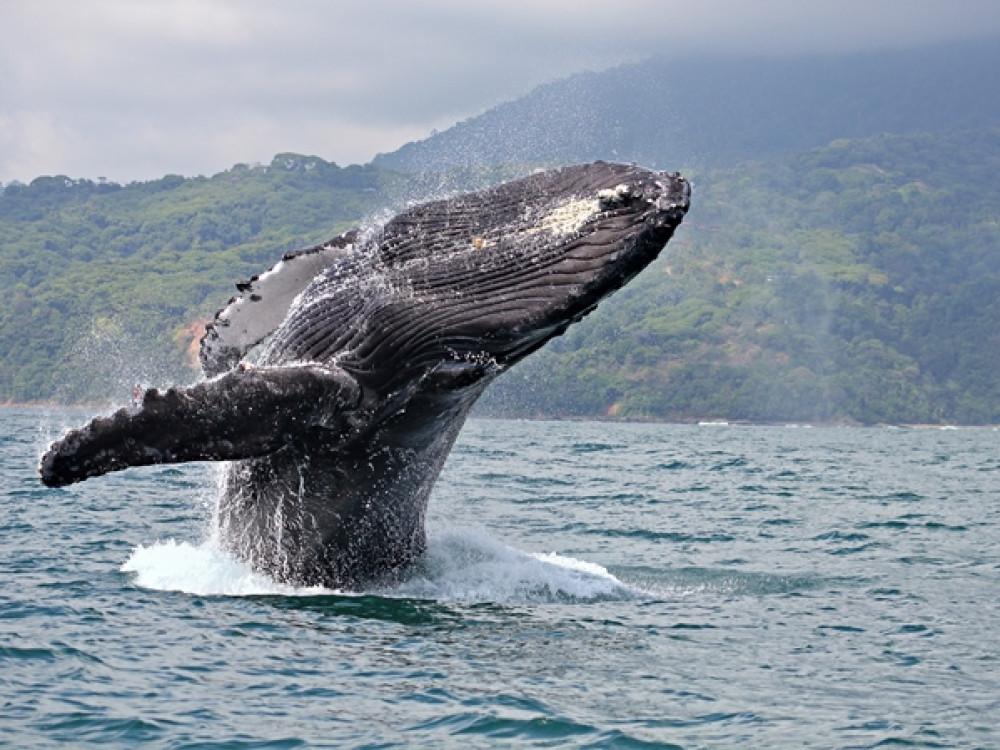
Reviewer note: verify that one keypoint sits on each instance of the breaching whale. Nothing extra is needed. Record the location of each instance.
(339, 379)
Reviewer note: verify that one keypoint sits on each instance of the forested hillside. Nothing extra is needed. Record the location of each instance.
(859, 282)
(103, 285)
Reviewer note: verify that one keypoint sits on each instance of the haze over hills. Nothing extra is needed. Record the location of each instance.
(670, 113)
(840, 261)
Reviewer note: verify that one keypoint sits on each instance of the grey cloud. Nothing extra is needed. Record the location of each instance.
(135, 90)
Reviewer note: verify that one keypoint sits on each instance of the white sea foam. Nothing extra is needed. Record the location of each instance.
(469, 565)
(460, 565)
(200, 569)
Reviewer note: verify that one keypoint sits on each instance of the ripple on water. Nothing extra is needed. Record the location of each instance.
(620, 586)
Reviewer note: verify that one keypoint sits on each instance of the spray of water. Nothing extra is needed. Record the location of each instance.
(109, 359)
(461, 565)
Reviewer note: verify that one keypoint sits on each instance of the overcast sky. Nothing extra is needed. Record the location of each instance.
(135, 89)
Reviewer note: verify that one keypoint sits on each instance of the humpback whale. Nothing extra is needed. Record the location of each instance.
(338, 380)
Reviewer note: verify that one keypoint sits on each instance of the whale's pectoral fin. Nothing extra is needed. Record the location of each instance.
(263, 303)
(245, 413)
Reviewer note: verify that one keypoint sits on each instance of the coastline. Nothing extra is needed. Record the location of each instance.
(716, 422)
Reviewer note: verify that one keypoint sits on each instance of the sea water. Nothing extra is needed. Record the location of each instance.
(586, 585)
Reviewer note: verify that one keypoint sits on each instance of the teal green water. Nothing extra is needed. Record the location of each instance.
(587, 585)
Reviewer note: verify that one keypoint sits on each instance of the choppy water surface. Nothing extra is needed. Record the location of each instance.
(587, 585)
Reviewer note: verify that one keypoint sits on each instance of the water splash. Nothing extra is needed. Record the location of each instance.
(110, 357)
(463, 565)
(201, 569)
(468, 565)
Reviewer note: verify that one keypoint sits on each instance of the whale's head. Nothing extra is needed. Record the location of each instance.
(560, 242)
(482, 279)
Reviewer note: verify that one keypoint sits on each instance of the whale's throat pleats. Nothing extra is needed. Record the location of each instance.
(488, 275)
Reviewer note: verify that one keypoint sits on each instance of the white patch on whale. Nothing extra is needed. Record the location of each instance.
(568, 218)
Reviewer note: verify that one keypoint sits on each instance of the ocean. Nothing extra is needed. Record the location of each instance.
(587, 585)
